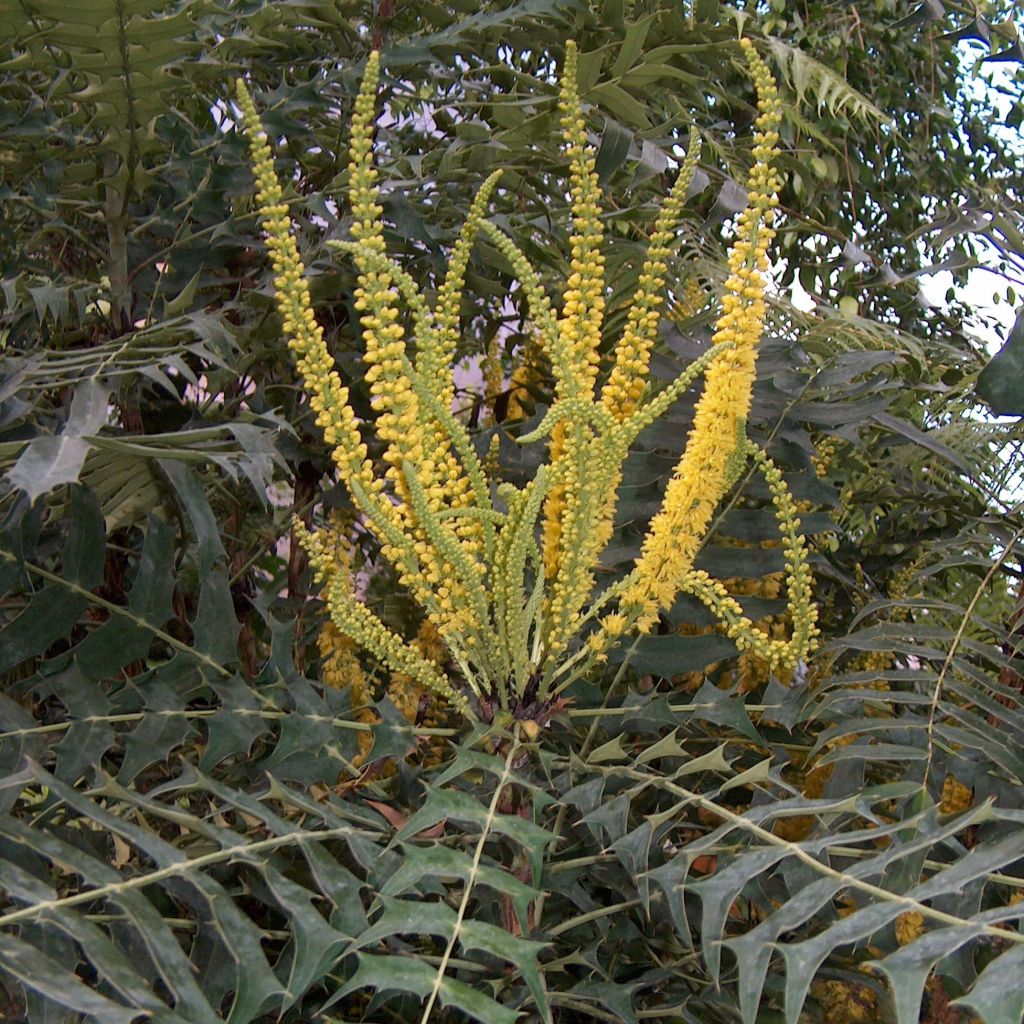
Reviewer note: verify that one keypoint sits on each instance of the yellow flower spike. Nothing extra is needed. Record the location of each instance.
(512, 609)
(538, 303)
(434, 360)
(583, 299)
(353, 619)
(556, 505)
(445, 482)
(701, 477)
(413, 436)
(417, 564)
(776, 652)
(328, 397)
(579, 329)
(341, 667)
(376, 297)
(622, 392)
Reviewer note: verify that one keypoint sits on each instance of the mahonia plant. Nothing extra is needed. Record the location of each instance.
(505, 575)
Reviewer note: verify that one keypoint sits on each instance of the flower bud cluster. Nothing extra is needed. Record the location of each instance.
(328, 397)
(579, 328)
(621, 394)
(803, 613)
(411, 437)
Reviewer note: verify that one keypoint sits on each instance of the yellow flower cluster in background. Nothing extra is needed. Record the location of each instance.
(846, 1002)
(505, 575)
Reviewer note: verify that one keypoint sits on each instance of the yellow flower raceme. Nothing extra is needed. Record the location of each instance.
(423, 471)
(583, 298)
(579, 329)
(580, 508)
(583, 538)
(435, 354)
(622, 392)
(702, 476)
(352, 618)
(341, 666)
(437, 583)
(329, 398)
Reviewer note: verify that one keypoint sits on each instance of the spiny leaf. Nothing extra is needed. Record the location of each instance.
(54, 981)
(425, 863)
(1001, 382)
(392, 975)
(488, 938)
(48, 462)
(52, 612)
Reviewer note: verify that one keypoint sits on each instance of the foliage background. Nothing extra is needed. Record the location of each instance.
(186, 831)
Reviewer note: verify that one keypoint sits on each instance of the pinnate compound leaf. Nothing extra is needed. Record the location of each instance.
(110, 961)
(174, 968)
(255, 984)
